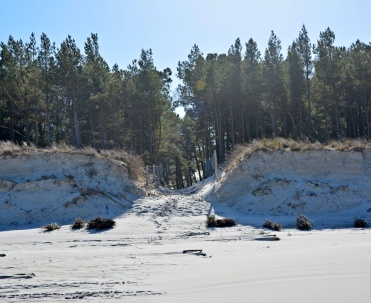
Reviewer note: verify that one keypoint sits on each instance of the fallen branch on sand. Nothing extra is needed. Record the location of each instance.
(224, 239)
(191, 250)
(19, 276)
(268, 238)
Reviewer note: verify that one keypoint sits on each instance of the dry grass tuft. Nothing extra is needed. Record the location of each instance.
(303, 223)
(101, 223)
(212, 221)
(51, 227)
(136, 168)
(271, 225)
(78, 224)
(360, 223)
(8, 148)
(134, 163)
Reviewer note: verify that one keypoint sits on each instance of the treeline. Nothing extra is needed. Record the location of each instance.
(61, 95)
(318, 92)
(51, 94)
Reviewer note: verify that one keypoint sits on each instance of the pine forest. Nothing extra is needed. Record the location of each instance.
(316, 91)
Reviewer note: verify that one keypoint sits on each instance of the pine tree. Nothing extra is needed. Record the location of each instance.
(251, 90)
(328, 74)
(18, 85)
(273, 82)
(358, 76)
(96, 75)
(69, 61)
(46, 63)
(296, 90)
(304, 48)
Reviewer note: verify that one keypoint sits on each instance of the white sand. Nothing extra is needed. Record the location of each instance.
(141, 259)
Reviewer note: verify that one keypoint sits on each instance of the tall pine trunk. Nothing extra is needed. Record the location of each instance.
(309, 108)
(76, 125)
(367, 119)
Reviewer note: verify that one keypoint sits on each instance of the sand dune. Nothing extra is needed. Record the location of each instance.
(142, 259)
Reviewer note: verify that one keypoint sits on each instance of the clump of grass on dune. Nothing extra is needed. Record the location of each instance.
(360, 223)
(212, 221)
(101, 223)
(303, 223)
(51, 227)
(78, 224)
(8, 148)
(272, 225)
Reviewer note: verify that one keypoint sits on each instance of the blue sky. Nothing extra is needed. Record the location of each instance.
(171, 27)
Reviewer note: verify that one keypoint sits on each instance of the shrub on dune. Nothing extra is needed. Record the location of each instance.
(78, 224)
(51, 227)
(212, 221)
(101, 223)
(360, 223)
(303, 223)
(272, 225)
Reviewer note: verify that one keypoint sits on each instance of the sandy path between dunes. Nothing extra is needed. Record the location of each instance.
(141, 260)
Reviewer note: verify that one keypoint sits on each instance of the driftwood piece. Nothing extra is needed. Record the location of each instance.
(191, 251)
(197, 252)
(18, 276)
(268, 238)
